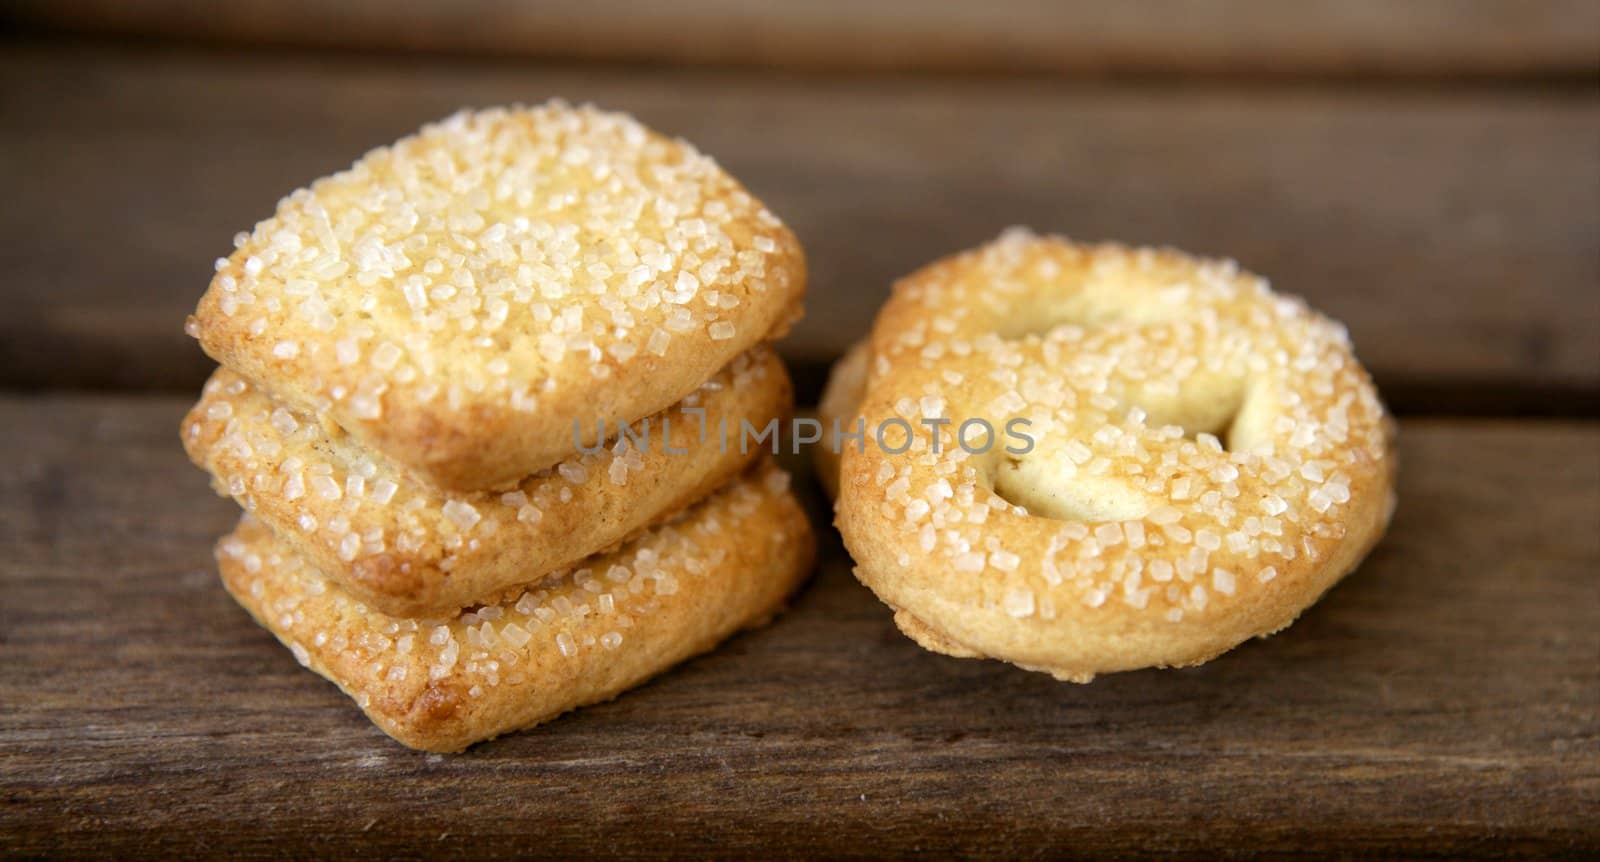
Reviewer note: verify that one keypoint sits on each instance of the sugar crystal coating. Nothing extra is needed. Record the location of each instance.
(442, 683)
(409, 549)
(495, 268)
(1188, 427)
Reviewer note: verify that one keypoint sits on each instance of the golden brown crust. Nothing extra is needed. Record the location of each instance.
(408, 550)
(1127, 535)
(580, 638)
(454, 301)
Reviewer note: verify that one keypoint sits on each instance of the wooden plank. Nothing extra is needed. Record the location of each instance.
(1329, 38)
(1458, 235)
(1443, 700)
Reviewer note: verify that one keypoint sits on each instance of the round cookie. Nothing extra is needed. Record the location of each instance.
(1201, 458)
(581, 637)
(455, 300)
(409, 550)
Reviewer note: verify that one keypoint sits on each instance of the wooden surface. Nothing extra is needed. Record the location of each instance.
(1428, 172)
(1323, 38)
(1458, 234)
(1443, 700)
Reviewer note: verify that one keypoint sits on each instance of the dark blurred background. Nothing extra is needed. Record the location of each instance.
(1427, 171)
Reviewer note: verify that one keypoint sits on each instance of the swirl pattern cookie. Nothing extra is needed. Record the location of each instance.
(409, 550)
(578, 638)
(454, 301)
(1197, 459)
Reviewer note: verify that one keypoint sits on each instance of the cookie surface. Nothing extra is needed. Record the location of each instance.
(580, 638)
(455, 300)
(409, 550)
(1201, 458)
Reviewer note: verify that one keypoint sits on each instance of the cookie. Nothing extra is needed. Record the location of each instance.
(579, 638)
(408, 550)
(456, 300)
(1178, 459)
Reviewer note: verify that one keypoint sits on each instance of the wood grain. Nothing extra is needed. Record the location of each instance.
(1442, 701)
(1457, 234)
(1329, 38)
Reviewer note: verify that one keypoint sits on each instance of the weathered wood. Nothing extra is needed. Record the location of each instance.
(1458, 235)
(1343, 38)
(1441, 701)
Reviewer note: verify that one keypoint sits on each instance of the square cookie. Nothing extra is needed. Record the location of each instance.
(578, 638)
(409, 550)
(455, 300)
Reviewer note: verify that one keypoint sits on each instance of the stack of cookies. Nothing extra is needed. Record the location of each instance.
(474, 400)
